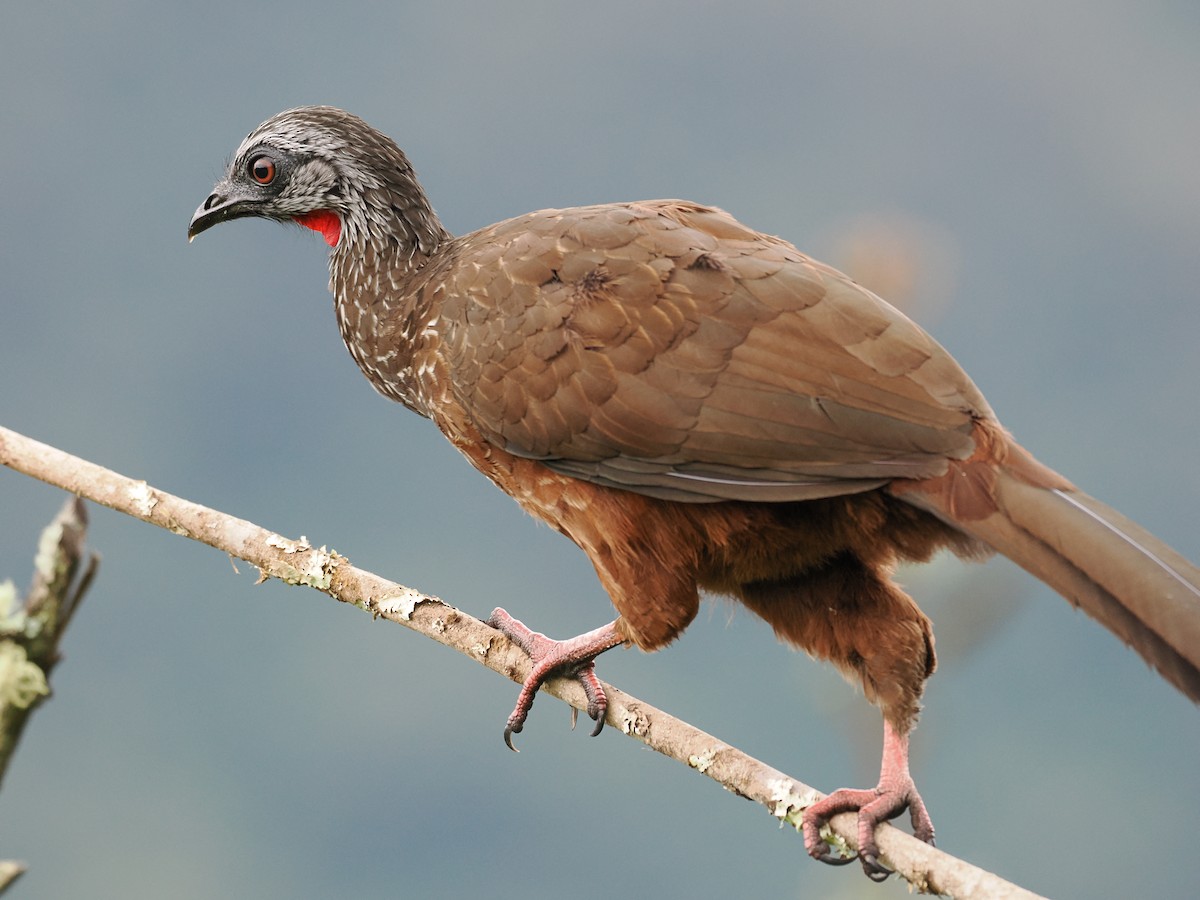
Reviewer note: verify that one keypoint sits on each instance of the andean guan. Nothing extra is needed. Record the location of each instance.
(699, 406)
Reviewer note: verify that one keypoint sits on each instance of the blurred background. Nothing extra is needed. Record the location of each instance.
(1022, 177)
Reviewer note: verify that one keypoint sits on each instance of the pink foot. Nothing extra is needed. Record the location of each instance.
(894, 793)
(572, 658)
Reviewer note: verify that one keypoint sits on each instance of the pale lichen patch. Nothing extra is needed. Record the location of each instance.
(13, 619)
(634, 721)
(143, 498)
(287, 545)
(787, 804)
(315, 571)
(21, 680)
(703, 762)
(49, 561)
(401, 603)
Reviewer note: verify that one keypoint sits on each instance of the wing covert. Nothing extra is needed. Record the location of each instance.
(665, 348)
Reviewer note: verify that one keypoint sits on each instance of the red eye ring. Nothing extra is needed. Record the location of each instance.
(262, 169)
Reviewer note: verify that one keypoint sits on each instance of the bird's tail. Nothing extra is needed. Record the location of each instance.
(1112, 568)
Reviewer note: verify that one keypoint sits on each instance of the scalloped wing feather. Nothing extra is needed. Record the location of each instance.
(665, 348)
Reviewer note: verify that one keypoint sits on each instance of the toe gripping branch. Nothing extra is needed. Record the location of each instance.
(872, 808)
(573, 658)
(895, 793)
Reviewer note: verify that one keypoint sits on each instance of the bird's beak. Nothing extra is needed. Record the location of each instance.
(223, 204)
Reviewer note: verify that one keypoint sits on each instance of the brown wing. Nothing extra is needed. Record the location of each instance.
(665, 348)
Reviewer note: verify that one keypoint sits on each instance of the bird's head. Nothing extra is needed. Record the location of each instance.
(325, 169)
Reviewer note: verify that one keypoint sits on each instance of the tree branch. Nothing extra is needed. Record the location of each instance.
(30, 631)
(298, 562)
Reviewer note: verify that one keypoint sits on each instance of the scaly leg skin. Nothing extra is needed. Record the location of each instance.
(572, 658)
(895, 792)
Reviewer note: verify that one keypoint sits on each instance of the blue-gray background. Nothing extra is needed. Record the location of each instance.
(1026, 173)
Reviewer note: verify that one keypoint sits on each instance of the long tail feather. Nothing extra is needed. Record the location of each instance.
(1112, 568)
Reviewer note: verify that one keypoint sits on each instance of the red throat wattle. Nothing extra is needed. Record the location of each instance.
(324, 221)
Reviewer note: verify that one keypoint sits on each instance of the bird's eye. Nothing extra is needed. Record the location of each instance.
(262, 169)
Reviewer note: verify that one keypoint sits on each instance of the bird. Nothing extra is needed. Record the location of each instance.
(702, 409)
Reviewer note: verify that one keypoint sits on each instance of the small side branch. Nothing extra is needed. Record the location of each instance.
(298, 562)
(31, 629)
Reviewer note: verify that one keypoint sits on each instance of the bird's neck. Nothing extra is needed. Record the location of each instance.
(377, 272)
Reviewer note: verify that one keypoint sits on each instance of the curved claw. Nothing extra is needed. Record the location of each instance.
(597, 702)
(874, 869)
(509, 731)
(832, 859)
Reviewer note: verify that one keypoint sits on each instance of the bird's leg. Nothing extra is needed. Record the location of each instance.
(895, 792)
(572, 658)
